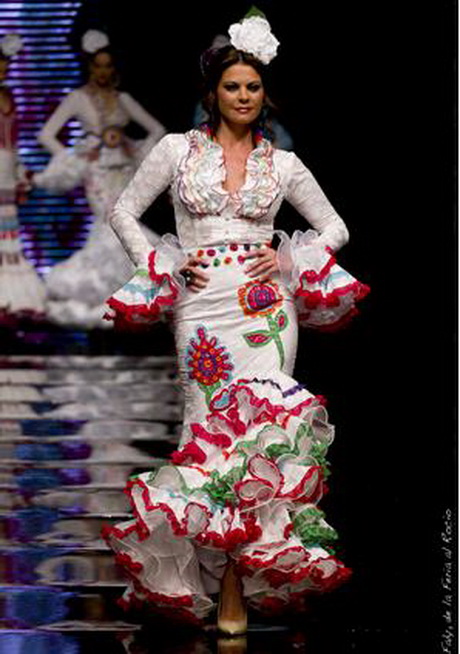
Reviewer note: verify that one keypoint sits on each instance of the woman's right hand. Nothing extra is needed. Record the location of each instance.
(195, 278)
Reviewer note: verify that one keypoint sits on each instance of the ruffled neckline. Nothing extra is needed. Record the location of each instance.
(202, 175)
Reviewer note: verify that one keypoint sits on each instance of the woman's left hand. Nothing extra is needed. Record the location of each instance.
(264, 265)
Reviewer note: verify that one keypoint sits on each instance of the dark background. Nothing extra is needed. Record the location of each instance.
(368, 92)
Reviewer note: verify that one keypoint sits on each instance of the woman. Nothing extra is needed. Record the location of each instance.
(22, 292)
(237, 509)
(102, 161)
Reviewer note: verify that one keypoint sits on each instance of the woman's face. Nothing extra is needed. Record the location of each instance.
(102, 69)
(240, 94)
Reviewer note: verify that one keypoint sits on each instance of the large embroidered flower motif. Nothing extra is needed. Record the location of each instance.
(208, 364)
(259, 298)
(262, 299)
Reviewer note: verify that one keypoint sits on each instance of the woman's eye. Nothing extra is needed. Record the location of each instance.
(230, 87)
(254, 87)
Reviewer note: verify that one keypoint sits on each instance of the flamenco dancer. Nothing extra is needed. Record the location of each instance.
(236, 512)
(22, 292)
(103, 161)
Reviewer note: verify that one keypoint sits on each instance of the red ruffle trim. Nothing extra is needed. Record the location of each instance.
(314, 299)
(311, 276)
(227, 541)
(269, 412)
(248, 565)
(138, 316)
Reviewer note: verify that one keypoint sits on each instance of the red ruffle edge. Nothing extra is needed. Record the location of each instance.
(227, 542)
(270, 412)
(314, 299)
(139, 316)
(249, 565)
(311, 276)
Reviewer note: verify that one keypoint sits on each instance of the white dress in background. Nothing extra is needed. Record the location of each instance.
(22, 292)
(78, 286)
(251, 466)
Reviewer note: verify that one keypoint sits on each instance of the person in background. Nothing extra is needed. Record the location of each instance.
(102, 161)
(22, 292)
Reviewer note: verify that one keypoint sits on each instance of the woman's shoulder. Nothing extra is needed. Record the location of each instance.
(284, 159)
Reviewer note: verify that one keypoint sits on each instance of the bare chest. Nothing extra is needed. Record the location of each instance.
(235, 167)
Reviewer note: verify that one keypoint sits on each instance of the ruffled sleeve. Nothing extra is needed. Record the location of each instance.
(151, 293)
(325, 293)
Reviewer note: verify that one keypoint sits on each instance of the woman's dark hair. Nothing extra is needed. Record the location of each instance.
(214, 62)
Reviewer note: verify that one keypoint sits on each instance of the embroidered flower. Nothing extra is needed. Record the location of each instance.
(259, 298)
(208, 364)
(254, 35)
(202, 173)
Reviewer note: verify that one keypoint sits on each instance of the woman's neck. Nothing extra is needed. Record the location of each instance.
(231, 136)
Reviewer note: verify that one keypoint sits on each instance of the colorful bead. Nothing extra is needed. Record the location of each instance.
(246, 246)
(241, 259)
(216, 262)
(211, 253)
(222, 248)
(200, 253)
(228, 260)
(233, 247)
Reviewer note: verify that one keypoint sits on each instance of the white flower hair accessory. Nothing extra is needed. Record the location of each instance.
(94, 40)
(253, 35)
(11, 44)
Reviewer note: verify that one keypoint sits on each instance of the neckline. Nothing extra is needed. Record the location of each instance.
(260, 143)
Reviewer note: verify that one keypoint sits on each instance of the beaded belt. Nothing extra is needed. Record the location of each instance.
(227, 254)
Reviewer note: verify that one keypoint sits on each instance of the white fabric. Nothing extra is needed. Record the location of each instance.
(158, 171)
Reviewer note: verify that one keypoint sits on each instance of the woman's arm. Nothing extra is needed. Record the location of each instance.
(153, 176)
(64, 112)
(307, 197)
(138, 114)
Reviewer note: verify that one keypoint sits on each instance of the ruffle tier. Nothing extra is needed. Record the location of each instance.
(150, 294)
(244, 484)
(325, 294)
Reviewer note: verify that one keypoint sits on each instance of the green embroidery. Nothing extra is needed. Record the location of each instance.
(308, 527)
(261, 337)
(220, 488)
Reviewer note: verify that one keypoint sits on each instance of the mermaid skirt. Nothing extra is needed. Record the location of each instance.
(250, 469)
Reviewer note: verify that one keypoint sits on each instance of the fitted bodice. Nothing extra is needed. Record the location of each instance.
(192, 166)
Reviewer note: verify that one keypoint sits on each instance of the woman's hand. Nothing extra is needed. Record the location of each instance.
(265, 263)
(195, 278)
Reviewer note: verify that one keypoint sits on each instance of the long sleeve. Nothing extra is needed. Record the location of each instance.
(307, 197)
(63, 113)
(153, 177)
(138, 114)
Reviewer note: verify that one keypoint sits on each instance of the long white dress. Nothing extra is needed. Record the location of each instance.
(251, 467)
(22, 292)
(78, 286)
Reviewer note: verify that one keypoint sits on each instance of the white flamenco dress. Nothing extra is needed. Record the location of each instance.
(251, 465)
(22, 291)
(78, 286)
